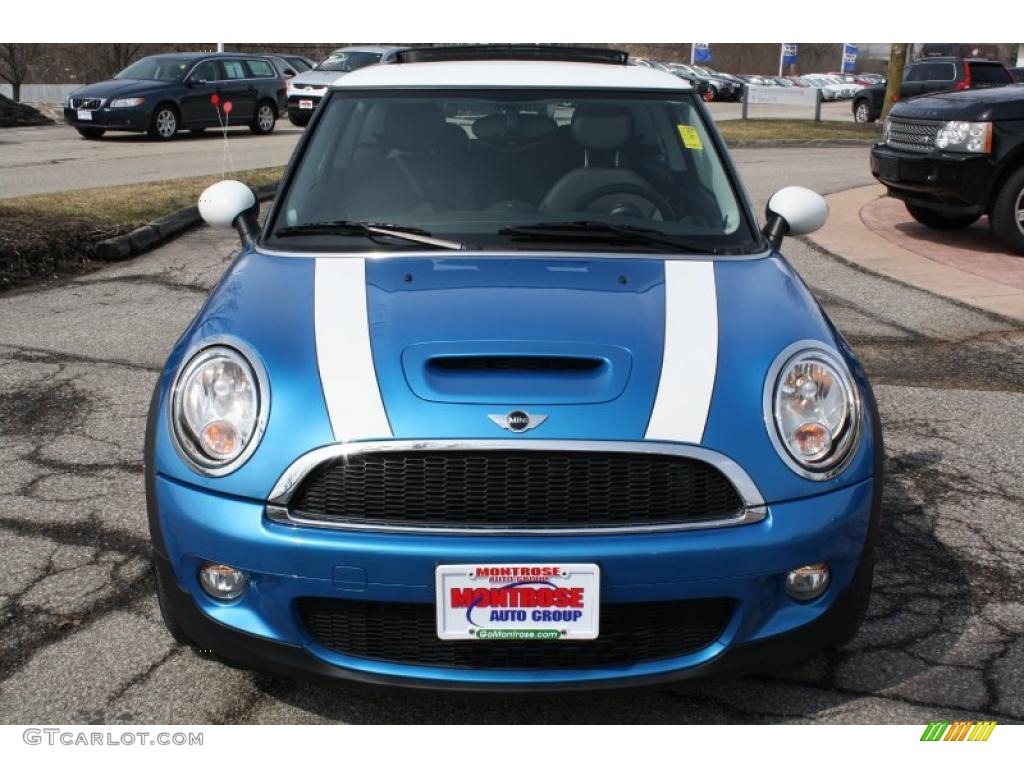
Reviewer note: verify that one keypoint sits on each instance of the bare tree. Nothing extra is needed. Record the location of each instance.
(15, 61)
(897, 61)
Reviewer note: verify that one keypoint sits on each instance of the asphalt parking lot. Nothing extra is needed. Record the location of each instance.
(81, 641)
(56, 158)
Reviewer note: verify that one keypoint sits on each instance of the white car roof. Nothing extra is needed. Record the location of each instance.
(511, 74)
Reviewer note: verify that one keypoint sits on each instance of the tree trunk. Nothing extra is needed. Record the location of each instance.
(16, 91)
(897, 61)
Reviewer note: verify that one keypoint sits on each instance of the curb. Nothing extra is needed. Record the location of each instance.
(848, 239)
(150, 235)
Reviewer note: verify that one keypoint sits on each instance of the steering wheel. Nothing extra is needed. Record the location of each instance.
(661, 205)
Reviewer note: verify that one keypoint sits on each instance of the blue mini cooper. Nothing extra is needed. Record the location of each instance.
(510, 391)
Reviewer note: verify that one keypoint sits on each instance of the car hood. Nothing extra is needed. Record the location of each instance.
(417, 348)
(116, 88)
(316, 77)
(980, 104)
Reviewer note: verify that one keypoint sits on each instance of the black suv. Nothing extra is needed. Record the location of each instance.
(930, 76)
(954, 157)
(163, 94)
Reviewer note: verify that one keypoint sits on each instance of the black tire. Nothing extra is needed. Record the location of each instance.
(300, 120)
(1007, 215)
(264, 119)
(862, 111)
(173, 627)
(165, 123)
(937, 220)
(91, 133)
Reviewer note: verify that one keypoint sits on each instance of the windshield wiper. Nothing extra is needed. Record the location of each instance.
(600, 230)
(371, 230)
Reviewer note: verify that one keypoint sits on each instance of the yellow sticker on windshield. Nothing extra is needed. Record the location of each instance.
(691, 139)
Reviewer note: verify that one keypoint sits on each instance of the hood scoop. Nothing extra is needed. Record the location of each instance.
(516, 373)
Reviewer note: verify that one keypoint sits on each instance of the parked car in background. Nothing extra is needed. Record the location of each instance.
(956, 156)
(932, 75)
(703, 85)
(829, 91)
(299, 63)
(1017, 73)
(306, 90)
(163, 94)
(490, 402)
(723, 88)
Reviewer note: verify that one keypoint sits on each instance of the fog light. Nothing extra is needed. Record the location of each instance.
(222, 582)
(808, 582)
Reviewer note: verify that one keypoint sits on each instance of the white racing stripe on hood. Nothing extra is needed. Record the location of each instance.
(347, 375)
(690, 356)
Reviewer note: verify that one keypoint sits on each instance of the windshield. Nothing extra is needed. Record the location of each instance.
(466, 165)
(347, 61)
(166, 68)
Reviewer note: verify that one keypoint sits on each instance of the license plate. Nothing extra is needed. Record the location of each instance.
(305, 103)
(84, 114)
(532, 601)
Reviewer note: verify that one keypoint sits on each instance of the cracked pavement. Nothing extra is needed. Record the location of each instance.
(80, 636)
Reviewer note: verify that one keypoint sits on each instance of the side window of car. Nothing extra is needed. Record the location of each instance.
(234, 70)
(913, 73)
(939, 70)
(260, 68)
(207, 71)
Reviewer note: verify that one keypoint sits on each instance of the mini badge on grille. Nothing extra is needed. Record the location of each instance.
(517, 421)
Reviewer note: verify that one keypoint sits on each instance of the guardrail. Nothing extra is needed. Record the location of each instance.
(42, 93)
(795, 96)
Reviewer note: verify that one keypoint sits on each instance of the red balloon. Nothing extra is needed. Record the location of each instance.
(215, 99)
(227, 106)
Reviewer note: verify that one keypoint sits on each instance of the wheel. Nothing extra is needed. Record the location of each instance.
(297, 119)
(936, 220)
(264, 119)
(711, 94)
(164, 124)
(862, 112)
(1007, 216)
(173, 627)
(91, 133)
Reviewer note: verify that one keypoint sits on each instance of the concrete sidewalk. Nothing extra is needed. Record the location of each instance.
(871, 231)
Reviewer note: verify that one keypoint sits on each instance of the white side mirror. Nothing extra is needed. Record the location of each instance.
(230, 203)
(794, 211)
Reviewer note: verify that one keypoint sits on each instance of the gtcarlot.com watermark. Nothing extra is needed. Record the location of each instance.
(77, 737)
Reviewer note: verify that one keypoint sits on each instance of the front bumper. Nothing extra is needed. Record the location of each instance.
(121, 119)
(297, 100)
(746, 563)
(940, 180)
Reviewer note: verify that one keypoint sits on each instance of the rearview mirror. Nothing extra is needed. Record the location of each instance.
(231, 204)
(794, 211)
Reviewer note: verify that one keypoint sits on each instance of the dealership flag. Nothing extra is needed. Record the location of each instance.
(788, 57)
(849, 57)
(701, 53)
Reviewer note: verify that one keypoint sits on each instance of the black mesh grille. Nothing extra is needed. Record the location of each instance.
(525, 489)
(407, 633)
(86, 103)
(912, 135)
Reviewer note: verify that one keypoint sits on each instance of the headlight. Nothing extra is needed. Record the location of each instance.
(960, 136)
(812, 410)
(133, 102)
(218, 410)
